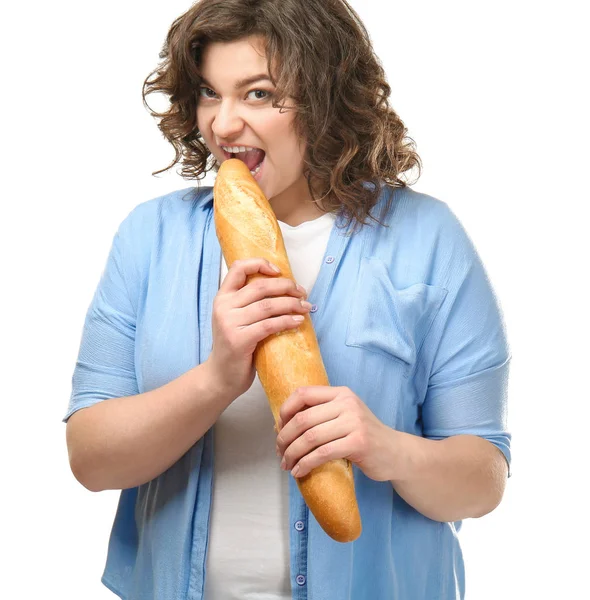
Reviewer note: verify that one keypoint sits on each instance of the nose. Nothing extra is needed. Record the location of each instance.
(227, 123)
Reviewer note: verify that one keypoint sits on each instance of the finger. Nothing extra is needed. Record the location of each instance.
(341, 448)
(304, 421)
(264, 287)
(255, 333)
(272, 307)
(313, 439)
(240, 270)
(305, 397)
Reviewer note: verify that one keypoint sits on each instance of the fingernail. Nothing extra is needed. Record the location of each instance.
(274, 267)
(278, 452)
(307, 305)
(295, 470)
(280, 423)
(298, 318)
(283, 463)
(301, 289)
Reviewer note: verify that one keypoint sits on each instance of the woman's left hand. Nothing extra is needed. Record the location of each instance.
(322, 423)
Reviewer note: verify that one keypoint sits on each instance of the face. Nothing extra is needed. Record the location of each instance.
(235, 110)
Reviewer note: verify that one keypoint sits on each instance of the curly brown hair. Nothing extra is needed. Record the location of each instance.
(326, 64)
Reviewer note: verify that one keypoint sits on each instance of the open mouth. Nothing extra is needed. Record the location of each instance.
(252, 157)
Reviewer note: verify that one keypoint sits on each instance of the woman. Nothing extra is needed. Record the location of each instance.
(165, 403)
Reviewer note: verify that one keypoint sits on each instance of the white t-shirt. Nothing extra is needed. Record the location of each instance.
(248, 548)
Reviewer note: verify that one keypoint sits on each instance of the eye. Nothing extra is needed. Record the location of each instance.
(257, 93)
(204, 92)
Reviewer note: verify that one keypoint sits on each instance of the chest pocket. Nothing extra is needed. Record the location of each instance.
(389, 321)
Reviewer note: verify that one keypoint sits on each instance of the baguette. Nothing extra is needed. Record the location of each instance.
(247, 228)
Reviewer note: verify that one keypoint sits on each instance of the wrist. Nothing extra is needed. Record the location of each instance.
(214, 384)
(407, 456)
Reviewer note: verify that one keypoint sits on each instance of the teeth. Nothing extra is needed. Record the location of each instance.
(236, 149)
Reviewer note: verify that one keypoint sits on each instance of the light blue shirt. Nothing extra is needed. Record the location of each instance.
(405, 317)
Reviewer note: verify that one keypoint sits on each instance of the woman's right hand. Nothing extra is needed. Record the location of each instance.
(245, 314)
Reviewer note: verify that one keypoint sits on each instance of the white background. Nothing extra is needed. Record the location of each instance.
(493, 93)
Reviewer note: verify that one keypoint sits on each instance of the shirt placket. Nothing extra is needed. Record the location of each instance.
(211, 261)
(337, 242)
(299, 515)
(299, 512)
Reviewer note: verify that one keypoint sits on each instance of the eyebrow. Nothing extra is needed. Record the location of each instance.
(244, 82)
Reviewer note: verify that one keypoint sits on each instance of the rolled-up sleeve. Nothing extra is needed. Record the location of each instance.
(105, 367)
(468, 384)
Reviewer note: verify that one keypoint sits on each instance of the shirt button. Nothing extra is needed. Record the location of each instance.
(314, 308)
(300, 579)
(300, 525)
(330, 260)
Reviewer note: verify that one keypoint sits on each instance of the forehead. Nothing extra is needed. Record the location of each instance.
(224, 63)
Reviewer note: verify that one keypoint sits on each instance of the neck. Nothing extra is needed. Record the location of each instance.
(295, 205)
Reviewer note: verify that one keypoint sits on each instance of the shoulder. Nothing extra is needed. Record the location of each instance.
(408, 209)
(433, 216)
(422, 233)
(156, 224)
(180, 205)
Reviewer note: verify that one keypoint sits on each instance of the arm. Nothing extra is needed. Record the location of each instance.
(123, 442)
(459, 477)
(457, 467)
(447, 480)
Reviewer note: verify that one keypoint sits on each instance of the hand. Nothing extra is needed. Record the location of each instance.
(246, 313)
(322, 423)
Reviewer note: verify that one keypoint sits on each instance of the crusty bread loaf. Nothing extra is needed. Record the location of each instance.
(247, 228)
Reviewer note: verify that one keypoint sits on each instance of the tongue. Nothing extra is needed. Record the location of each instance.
(252, 158)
